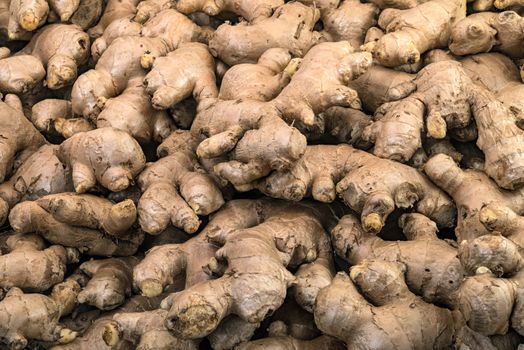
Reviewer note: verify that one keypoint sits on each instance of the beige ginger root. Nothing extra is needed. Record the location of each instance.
(31, 266)
(433, 270)
(321, 82)
(251, 11)
(110, 282)
(470, 199)
(256, 278)
(410, 32)
(113, 11)
(94, 225)
(391, 307)
(290, 27)
(31, 316)
(290, 343)
(187, 71)
(54, 118)
(106, 156)
(327, 171)
(487, 31)
(41, 174)
(176, 188)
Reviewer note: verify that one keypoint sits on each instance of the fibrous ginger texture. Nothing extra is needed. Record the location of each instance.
(106, 156)
(487, 31)
(433, 269)
(31, 266)
(472, 190)
(187, 71)
(176, 188)
(92, 224)
(359, 179)
(30, 316)
(411, 32)
(393, 318)
(255, 281)
(110, 282)
(321, 82)
(251, 11)
(290, 343)
(41, 174)
(290, 27)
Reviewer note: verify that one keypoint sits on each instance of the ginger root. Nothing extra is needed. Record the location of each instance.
(251, 11)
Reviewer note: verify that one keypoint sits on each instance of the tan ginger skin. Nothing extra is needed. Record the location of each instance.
(187, 71)
(176, 188)
(107, 156)
(327, 171)
(31, 266)
(480, 208)
(20, 138)
(489, 31)
(114, 10)
(111, 76)
(433, 270)
(290, 343)
(253, 254)
(290, 27)
(451, 104)
(92, 224)
(251, 11)
(31, 316)
(408, 34)
(110, 282)
(492, 299)
(391, 306)
(41, 174)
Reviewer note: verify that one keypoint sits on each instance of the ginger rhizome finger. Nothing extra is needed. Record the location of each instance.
(321, 82)
(410, 33)
(176, 188)
(290, 27)
(377, 289)
(110, 282)
(30, 266)
(31, 316)
(251, 11)
(435, 280)
(107, 156)
(488, 31)
(92, 224)
(326, 172)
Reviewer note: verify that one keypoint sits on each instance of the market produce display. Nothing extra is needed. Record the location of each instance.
(262, 174)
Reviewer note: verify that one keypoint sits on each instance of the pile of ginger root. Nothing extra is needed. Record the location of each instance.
(262, 174)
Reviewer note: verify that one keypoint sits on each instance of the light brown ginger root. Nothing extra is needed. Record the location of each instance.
(256, 278)
(123, 62)
(343, 125)
(31, 316)
(31, 266)
(489, 303)
(113, 11)
(321, 82)
(92, 336)
(327, 171)
(290, 27)
(292, 320)
(106, 156)
(176, 188)
(470, 199)
(251, 11)
(469, 339)
(41, 174)
(262, 81)
(145, 330)
(67, 292)
(110, 282)
(187, 71)
(251, 134)
(290, 343)
(349, 21)
(393, 318)
(94, 225)
(60, 48)
(451, 104)
(124, 26)
(410, 32)
(20, 139)
(489, 31)
(49, 117)
(433, 270)
(20, 74)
